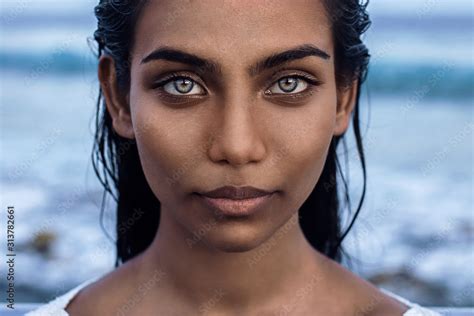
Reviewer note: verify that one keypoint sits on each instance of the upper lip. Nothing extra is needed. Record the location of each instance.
(236, 193)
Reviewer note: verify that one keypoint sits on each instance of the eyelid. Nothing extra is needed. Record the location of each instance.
(294, 73)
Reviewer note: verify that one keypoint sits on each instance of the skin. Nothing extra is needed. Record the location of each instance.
(230, 132)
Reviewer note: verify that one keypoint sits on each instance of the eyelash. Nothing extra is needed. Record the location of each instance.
(174, 77)
(312, 82)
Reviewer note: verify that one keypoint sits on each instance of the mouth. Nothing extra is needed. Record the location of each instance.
(236, 201)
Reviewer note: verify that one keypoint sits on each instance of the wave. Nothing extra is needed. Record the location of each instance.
(418, 79)
(422, 80)
(55, 62)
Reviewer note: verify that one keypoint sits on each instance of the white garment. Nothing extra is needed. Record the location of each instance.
(56, 307)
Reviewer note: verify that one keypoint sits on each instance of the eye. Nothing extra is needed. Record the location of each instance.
(180, 85)
(291, 85)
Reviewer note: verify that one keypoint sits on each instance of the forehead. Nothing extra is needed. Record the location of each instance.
(237, 30)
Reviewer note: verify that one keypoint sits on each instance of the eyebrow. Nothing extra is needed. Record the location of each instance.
(176, 55)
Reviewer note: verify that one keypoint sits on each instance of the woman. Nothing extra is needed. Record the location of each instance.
(220, 123)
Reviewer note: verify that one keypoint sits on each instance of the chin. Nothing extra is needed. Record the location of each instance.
(234, 239)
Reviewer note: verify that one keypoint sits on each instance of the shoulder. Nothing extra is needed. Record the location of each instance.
(380, 304)
(369, 300)
(91, 299)
(57, 306)
(105, 294)
(88, 297)
(372, 301)
(414, 309)
(362, 297)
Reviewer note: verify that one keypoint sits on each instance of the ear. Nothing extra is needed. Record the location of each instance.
(116, 101)
(346, 99)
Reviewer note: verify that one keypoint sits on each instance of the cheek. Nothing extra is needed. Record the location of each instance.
(304, 145)
(165, 144)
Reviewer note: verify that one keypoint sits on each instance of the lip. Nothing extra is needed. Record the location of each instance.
(236, 201)
(236, 193)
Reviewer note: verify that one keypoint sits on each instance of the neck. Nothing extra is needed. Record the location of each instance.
(263, 275)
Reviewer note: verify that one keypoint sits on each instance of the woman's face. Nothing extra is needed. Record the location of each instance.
(235, 120)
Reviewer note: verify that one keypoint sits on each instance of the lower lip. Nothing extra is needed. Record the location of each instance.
(229, 207)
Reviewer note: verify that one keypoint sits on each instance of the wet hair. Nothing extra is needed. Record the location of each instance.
(116, 161)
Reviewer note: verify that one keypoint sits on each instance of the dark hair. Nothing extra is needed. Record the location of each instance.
(116, 159)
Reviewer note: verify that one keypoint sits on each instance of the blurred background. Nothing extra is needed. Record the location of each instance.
(415, 233)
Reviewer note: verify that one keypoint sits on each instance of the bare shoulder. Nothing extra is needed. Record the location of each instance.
(105, 295)
(364, 298)
(378, 303)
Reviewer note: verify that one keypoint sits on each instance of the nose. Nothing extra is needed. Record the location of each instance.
(238, 138)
